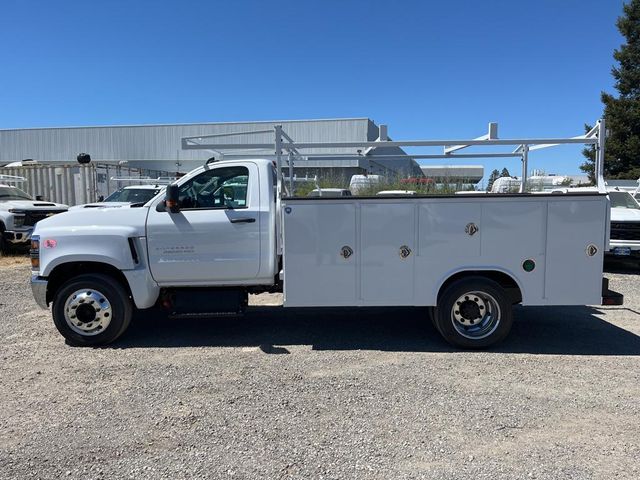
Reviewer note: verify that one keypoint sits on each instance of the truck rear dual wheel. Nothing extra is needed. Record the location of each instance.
(91, 310)
(473, 312)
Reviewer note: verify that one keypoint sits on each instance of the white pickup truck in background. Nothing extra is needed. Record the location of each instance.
(125, 196)
(225, 230)
(625, 224)
(19, 213)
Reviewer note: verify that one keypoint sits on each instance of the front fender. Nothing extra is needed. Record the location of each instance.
(112, 251)
(111, 248)
(46, 269)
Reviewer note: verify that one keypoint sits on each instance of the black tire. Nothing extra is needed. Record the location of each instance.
(4, 245)
(471, 331)
(431, 314)
(116, 297)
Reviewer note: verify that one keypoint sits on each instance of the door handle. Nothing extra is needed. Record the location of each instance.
(242, 220)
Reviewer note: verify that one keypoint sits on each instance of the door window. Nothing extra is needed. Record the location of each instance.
(224, 187)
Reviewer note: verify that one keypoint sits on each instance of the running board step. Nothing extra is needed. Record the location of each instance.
(204, 302)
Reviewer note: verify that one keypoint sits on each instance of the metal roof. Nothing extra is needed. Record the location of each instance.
(187, 124)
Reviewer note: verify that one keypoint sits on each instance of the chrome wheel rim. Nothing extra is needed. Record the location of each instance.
(475, 315)
(87, 312)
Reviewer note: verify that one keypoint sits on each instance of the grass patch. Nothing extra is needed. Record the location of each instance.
(303, 188)
(13, 259)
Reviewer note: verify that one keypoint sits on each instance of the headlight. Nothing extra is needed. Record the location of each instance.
(18, 217)
(34, 253)
(18, 221)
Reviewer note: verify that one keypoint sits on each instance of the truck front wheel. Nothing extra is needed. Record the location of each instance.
(473, 312)
(4, 247)
(91, 310)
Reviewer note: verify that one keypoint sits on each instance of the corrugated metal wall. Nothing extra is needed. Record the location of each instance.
(76, 184)
(68, 184)
(159, 146)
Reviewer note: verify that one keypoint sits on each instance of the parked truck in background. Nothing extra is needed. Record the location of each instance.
(226, 230)
(19, 213)
(125, 196)
(625, 224)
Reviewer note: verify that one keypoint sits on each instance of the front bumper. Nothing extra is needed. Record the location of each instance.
(631, 244)
(18, 237)
(39, 290)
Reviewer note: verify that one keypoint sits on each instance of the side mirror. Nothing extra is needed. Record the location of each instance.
(171, 198)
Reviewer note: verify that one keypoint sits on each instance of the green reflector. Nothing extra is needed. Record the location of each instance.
(528, 265)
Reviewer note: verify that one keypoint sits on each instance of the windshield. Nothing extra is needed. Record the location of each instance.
(623, 200)
(13, 193)
(133, 195)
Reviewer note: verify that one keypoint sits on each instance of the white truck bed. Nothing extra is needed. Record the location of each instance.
(557, 231)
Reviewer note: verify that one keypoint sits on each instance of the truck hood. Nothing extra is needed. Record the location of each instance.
(625, 215)
(31, 205)
(127, 221)
(101, 205)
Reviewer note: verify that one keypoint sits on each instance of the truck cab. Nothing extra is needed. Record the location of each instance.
(224, 233)
(199, 257)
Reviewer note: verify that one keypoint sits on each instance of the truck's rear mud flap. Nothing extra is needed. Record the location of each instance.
(609, 297)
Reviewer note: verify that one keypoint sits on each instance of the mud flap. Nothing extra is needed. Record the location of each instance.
(609, 297)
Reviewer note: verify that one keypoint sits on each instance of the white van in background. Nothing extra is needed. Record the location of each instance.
(360, 183)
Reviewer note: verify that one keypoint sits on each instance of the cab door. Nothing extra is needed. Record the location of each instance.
(214, 239)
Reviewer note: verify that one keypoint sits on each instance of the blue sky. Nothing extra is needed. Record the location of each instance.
(427, 69)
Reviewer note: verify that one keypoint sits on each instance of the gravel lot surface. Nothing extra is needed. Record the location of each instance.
(373, 394)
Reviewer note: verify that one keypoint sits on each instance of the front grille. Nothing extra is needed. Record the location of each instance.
(34, 216)
(625, 230)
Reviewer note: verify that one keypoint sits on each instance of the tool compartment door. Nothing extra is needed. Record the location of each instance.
(573, 269)
(388, 250)
(317, 271)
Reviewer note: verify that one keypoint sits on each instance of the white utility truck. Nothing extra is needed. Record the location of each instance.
(233, 227)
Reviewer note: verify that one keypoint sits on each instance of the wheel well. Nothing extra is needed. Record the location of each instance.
(67, 271)
(505, 281)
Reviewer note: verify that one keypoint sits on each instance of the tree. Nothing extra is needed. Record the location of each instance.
(622, 113)
(492, 178)
(505, 172)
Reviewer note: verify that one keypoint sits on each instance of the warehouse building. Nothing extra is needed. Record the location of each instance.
(158, 147)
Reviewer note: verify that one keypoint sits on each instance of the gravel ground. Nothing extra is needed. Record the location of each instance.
(346, 393)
